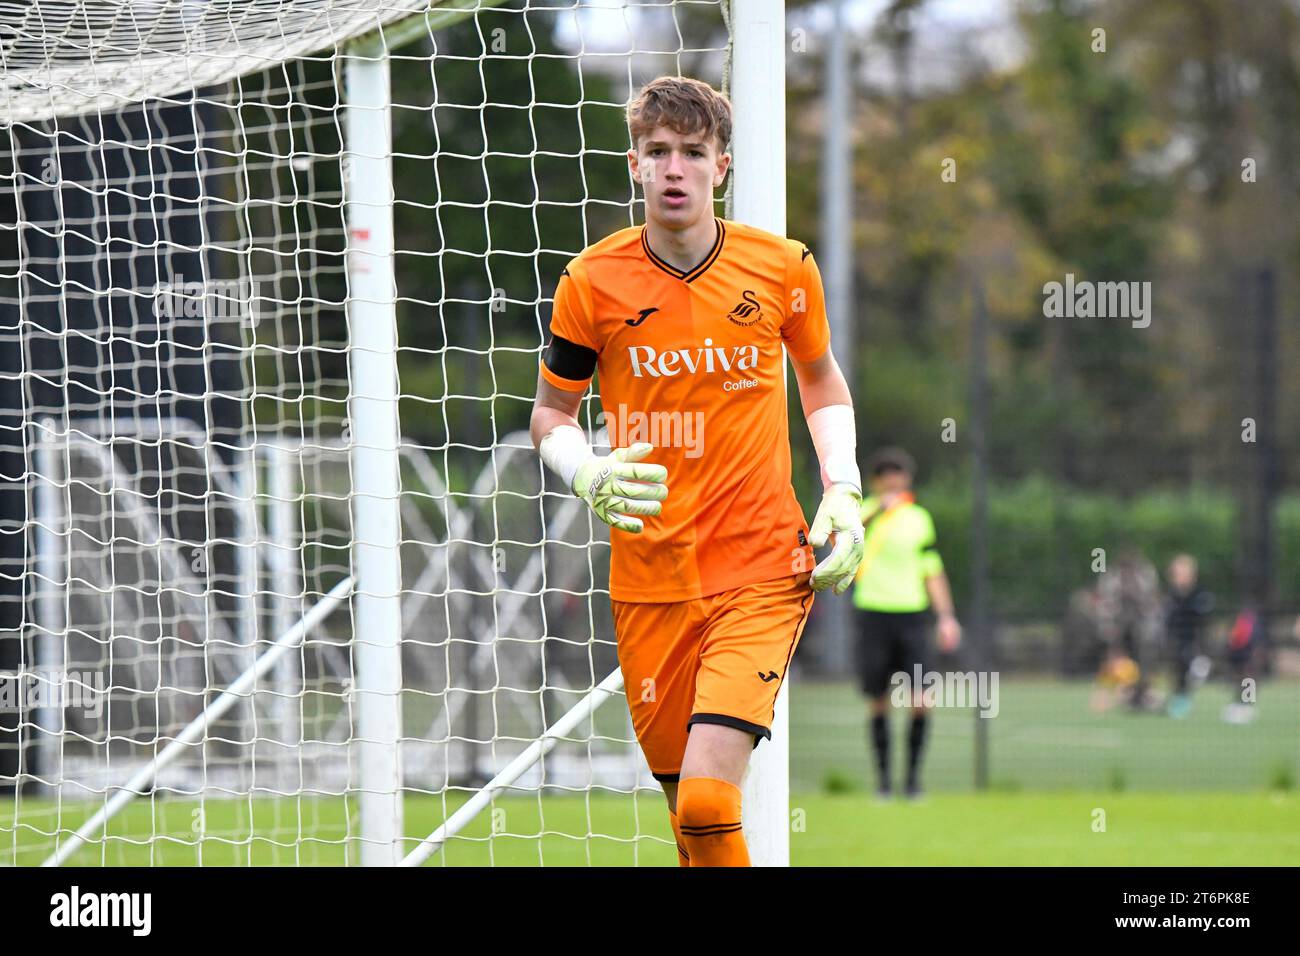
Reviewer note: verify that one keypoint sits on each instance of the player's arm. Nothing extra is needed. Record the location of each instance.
(937, 587)
(821, 383)
(828, 408)
(619, 487)
(552, 408)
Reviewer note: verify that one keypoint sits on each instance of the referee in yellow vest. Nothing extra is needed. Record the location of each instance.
(900, 579)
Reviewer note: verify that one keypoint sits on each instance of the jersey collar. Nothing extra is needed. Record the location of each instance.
(688, 275)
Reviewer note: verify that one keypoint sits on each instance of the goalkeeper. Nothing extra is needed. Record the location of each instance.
(710, 582)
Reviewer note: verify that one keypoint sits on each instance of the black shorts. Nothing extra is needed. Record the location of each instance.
(890, 642)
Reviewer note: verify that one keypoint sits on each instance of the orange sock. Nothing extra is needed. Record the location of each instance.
(683, 858)
(708, 812)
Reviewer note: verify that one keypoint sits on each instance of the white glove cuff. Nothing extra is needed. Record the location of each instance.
(835, 437)
(564, 449)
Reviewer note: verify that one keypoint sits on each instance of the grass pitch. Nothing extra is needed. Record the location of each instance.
(1068, 786)
(1043, 829)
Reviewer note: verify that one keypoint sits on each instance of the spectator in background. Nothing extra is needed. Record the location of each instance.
(1243, 645)
(1187, 608)
(899, 581)
(1129, 618)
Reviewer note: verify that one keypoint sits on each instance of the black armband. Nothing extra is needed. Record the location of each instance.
(569, 359)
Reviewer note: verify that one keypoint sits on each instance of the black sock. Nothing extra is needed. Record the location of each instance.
(880, 746)
(915, 743)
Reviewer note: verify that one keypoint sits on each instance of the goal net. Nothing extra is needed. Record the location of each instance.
(247, 245)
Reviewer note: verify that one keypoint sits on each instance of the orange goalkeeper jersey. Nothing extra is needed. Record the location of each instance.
(691, 362)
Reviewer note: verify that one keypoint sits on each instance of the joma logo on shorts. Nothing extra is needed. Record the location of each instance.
(769, 676)
(708, 359)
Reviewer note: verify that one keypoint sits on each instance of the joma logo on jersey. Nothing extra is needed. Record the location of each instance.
(708, 359)
(747, 306)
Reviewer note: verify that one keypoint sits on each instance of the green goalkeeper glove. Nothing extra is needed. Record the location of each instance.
(617, 487)
(840, 512)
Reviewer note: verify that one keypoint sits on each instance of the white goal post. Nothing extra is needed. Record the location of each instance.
(284, 581)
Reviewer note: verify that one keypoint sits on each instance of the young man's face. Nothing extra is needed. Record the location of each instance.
(678, 174)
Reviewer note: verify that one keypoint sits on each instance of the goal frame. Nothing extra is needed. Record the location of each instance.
(758, 197)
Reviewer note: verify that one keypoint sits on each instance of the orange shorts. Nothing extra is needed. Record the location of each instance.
(713, 660)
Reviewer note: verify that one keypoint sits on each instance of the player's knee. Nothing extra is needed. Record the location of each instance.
(704, 803)
(670, 794)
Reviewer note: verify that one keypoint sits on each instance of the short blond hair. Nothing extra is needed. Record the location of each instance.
(684, 105)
